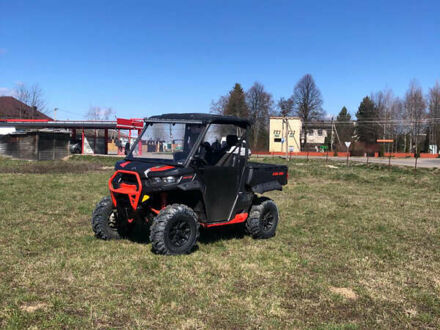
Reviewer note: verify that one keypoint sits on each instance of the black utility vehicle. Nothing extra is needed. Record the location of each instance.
(185, 171)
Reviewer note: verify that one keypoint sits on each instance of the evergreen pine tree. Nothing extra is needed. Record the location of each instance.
(344, 128)
(366, 128)
(236, 104)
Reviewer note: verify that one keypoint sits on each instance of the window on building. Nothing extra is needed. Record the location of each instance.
(320, 132)
(277, 140)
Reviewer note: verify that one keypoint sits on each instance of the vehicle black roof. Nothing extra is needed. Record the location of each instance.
(205, 118)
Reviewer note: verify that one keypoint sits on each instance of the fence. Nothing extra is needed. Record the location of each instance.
(341, 154)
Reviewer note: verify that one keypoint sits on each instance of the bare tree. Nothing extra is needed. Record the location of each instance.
(383, 101)
(260, 105)
(285, 106)
(99, 113)
(389, 111)
(308, 102)
(397, 128)
(415, 112)
(32, 96)
(434, 114)
(219, 106)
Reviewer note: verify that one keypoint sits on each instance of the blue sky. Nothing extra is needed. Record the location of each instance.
(149, 57)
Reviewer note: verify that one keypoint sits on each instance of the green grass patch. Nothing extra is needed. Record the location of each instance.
(356, 247)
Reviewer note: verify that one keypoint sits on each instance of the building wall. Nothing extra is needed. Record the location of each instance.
(52, 145)
(35, 145)
(313, 136)
(7, 130)
(277, 134)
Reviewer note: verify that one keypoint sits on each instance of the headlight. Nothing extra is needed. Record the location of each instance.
(169, 179)
(156, 180)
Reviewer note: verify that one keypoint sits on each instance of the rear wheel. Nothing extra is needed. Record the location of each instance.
(263, 218)
(175, 230)
(106, 223)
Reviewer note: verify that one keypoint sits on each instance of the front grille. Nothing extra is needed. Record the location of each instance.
(129, 178)
(124, 178)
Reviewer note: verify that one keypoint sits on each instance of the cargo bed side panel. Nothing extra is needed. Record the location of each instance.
(266, 177)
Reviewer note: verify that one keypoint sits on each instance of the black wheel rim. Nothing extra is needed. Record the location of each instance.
(179, 233)
(267, 220)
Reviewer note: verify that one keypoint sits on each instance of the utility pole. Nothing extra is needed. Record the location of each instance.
(55, 113)
(282, 133)
(347, 144)
(287, 138)
(293, 136)
(331, 138)
(337, 135)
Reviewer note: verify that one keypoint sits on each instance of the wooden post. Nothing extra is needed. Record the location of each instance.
(119, 142)
(331, 138)
(389, 156)
(129, 141)
(53, 145)
(106, 141)
(287, 138)
(94, 141)
(383, 145)
(82, 142)
(37, 148)
(140, 142)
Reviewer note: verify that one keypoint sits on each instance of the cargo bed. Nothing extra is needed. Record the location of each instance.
(262, 177)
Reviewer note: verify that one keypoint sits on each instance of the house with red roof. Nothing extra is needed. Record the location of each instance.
(11, 108)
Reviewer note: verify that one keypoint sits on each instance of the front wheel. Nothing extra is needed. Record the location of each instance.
(263, 218)
(106, 223)
(175, 230)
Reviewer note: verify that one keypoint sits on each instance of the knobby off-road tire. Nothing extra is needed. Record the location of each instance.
(263, 218)
(175, 230)
(105, 222)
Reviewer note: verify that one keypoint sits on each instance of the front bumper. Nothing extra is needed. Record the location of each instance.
(132, 190)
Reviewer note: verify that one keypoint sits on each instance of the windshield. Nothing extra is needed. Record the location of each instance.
(166, 142)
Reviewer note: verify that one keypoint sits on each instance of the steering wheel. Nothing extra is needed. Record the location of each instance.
(200, 160)
(204, 149)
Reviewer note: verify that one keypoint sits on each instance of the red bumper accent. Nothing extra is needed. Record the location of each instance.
(239, 218)
(124, 164)
(133, 192)
(161, 168)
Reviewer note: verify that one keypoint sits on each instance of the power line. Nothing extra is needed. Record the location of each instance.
(377, 121)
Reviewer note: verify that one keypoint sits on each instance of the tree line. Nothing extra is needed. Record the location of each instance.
(412, 122)
(258, 105)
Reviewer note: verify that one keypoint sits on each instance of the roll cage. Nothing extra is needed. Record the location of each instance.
(205, 120)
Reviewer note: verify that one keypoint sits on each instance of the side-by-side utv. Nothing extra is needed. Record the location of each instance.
(185, 171)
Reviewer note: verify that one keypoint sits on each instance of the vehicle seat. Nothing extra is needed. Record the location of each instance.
(225, 158)
(206, 152)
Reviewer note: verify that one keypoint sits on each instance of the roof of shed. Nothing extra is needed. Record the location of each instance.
(11, 108)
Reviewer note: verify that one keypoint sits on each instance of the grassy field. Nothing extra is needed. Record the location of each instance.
(356, 247)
